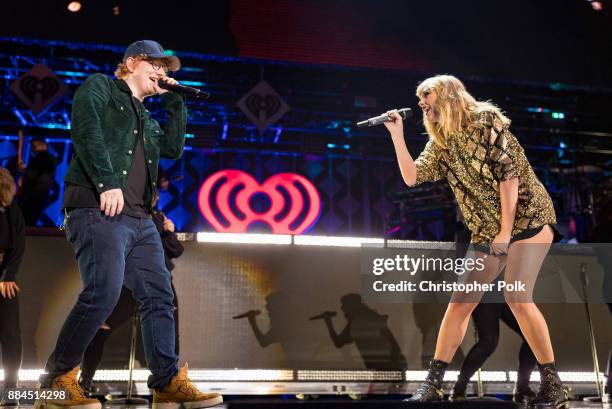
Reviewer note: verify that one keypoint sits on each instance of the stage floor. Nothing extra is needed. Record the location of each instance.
(336, 395)
(331, 388)
(362, 404)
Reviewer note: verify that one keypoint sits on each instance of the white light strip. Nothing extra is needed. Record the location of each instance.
(580, 377)
(413, 376)
(261, 389)
(451, 376)
(491, 376)
(25, 374)
(305, 240)
(231, 375)
(335, 241)
(237, 375)
(513, 376)
(241, 375)
(392, 376)
(420, 245)
(244, 238)
(116, 375)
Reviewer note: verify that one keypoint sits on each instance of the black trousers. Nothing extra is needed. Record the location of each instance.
(486, 319)
(10, 340)
(124, 310)
(33, 204)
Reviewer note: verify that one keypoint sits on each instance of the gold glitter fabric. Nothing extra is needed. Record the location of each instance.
(474, 163)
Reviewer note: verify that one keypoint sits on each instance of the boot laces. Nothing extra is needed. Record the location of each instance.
(188, 387)
(73, 388)
(548, 387)
(425, 387)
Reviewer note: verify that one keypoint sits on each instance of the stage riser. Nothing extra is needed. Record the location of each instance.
(216, 282)
(319, 388)
(471, 404)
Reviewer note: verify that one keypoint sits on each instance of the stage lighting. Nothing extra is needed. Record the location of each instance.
(74, 6)
(336, 241)
(351, 376)
(596, 5)
(249, 238)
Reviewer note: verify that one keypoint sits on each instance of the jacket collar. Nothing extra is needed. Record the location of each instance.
(123, 86)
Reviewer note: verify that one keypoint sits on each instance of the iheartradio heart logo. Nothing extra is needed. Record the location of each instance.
(225, 201)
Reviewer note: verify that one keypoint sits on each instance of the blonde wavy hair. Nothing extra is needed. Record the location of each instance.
(7, 187)
(458, 110)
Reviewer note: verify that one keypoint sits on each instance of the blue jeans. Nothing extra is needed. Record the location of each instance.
(111, 252)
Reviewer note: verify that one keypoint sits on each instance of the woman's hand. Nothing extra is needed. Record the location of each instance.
(396, 127)
(501, 242)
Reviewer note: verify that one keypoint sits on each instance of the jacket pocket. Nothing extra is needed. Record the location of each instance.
(117, 114)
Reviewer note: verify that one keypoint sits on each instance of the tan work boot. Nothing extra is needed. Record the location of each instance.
(76, 396)
(181, 390)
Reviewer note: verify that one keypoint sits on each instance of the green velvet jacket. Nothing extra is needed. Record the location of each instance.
(104, 130)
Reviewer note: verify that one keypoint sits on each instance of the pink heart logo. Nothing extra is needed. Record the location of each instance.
(224, 201)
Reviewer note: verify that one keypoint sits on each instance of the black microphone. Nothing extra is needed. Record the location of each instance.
(252, 313)
(326, 314)
(182, 89)
(405, 113)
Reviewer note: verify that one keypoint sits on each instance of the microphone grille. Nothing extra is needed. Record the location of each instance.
(405, 113)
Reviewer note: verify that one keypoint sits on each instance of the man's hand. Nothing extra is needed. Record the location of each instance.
(111, 202)
(9, 289)
(168, 80)
(168, 225)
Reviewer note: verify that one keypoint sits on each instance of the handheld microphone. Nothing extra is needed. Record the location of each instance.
(405, 113)
(252, 313)
(322, 316)
(182, 89)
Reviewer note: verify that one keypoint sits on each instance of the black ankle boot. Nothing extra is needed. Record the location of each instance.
(458, 392)
(431, 389)
(85, 384)
(522, 393)
(552, 394)
(4, 400)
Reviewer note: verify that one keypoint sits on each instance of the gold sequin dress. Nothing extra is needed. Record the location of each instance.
(474, 164)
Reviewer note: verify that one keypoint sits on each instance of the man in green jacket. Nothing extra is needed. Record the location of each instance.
(107, 202)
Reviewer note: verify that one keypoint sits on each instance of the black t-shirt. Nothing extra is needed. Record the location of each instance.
(135, 194)
(137, 188)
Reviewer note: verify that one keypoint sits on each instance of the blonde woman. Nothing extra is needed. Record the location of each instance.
(505, 206)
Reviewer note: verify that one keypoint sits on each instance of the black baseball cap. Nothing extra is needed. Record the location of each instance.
(152, 49)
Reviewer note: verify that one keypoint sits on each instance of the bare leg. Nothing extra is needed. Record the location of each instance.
(452, 330)
(457, 316)
(525, 258)
(454, 325)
